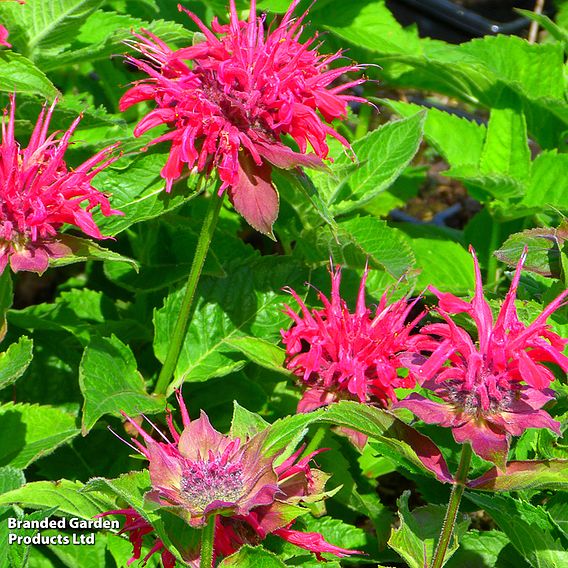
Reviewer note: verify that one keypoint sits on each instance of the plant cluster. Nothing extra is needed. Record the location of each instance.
(210, 214)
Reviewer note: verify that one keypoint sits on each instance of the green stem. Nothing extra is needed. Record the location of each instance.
(494, 242)
(316, 440)
(182, 322)
(453, 507)
(207, 541)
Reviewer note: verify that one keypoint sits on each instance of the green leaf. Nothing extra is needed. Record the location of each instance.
(103, 34)
(396, 440)
(10, 479)
(29, 432)
(15, 360)
(81, 250)
(52, 23)
(419, 530)
(381, 156)
(546, 23)
(549, 182)
(359, 240)
(458, 140)
(530, 474)
(530, 529)
(442, 262)
(543, 249)
(252, 557)
(247, 307)
(138, 191)
(129, 488)
(67, 496)
(18, 74)
(487, 549)
(506, 149)
(110, 382)
(261, 352)
(246, 424)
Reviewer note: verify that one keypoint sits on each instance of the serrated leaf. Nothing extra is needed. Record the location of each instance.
(419, 530)
(249, 306)
(519, 475)
(53, 23)
(110, 382)
(359, 240)
(549, 182)
(15, 360)
(246, 424)
(252, 557)
(129, 488)
(543, 250)
(19, 74)
(67, 496)
(381, 156)
(138, 191)
(10, 478)
(81, 250)
(30, 431)
(530, 529)
(506, 151)
(459, 141)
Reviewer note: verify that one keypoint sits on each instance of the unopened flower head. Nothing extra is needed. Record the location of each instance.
(201, 472)
(492, 388)
(338, 354)
(247, 86)
(39, 193)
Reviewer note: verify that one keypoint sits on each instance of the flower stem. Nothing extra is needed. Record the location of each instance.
(453, 507)
(182, 322)
(207, 541)
(492, 259)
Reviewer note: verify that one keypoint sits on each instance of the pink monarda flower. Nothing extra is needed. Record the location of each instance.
(38, 194)
(338, 354)
(245, 89)
(494, 388)
(202, 472)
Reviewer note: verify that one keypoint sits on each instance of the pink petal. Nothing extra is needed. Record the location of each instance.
(314, 542)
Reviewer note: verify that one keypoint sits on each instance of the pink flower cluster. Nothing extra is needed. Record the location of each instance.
(39, 193)
(202, 472)
(487, 388)
(338, 354)
(229, 110)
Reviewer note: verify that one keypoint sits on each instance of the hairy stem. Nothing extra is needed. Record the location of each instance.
(180, 329)
(207, 542)
(453, 508)
(494, 242)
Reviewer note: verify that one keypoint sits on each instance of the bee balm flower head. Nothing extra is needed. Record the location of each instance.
(202, 472)
(338, 354)
(494, 388)
(231, 98)
(39, 193)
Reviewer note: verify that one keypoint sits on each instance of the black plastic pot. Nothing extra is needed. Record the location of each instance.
(457, 22)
